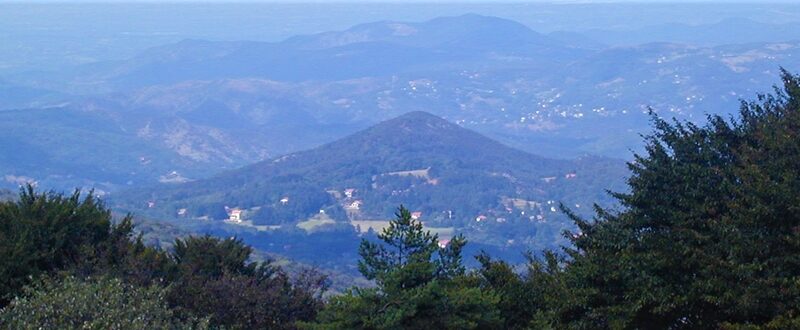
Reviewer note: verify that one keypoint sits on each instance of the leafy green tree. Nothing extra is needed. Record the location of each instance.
(709, 234)
(124, 255)
(216, 279)
(419, 285)
(103, 303)
(45, 232)
(525, 300)
(212, 257)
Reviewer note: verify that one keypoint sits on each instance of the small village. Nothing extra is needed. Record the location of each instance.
(352, 201)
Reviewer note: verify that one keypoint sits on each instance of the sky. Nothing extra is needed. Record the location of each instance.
(407, 1)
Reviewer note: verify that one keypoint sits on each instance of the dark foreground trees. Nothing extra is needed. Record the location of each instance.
(216, 279)
(102, 303)
(419, 286)
(48, 232)
(98, 272)
(709, 236)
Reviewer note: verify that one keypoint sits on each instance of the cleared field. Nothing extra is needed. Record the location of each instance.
(520, 203)
(378, 225)
(364, 226)
(421, 173)
(311, 224)
(444, 232)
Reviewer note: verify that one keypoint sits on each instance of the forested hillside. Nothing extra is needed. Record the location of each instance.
(451, 177)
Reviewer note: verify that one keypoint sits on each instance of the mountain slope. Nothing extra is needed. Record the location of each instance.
(450, 174)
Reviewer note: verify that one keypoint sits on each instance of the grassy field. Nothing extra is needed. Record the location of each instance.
(421, 173)
(520, 203)
(364, 225)
(444, 232)
(378, 225)
(311, 224)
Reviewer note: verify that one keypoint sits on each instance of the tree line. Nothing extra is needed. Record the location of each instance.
(65, 264)
(708, 236)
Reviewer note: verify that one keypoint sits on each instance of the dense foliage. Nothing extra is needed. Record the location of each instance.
(94, 304)
(70, 238)
(708, 236)
(41, 233)
(215, 279)
(419, 285)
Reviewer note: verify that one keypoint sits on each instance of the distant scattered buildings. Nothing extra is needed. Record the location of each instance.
(349, 192)
(355, 205)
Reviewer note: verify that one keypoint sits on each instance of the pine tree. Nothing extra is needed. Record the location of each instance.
(709, 234)
(419, 285)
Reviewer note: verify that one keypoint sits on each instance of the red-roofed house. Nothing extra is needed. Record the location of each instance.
(235, 215)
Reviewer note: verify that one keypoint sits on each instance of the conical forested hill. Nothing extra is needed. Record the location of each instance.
(448, 173)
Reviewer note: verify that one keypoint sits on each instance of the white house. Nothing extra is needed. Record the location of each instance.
(355, 205)
(235, 215)
(349, 192)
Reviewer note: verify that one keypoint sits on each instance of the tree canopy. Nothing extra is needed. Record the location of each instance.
(709, 234)
(104, 303)
(52, 247)
(420, 285)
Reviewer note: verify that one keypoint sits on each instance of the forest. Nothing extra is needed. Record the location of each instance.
(706, 236)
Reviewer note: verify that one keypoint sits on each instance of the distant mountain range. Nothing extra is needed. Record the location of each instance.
(728, 31)
(368, 50)
(188, 110)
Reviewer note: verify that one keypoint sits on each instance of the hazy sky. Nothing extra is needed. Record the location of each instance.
(418, 1)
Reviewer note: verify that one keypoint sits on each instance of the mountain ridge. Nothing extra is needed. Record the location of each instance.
(417, 159)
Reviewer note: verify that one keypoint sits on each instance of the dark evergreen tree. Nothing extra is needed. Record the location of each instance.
(709, 236)
(419, 285)
(525, 300)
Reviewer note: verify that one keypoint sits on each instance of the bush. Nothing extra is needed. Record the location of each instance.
(103, 303)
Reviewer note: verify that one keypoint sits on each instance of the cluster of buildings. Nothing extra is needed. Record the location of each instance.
(350, 203)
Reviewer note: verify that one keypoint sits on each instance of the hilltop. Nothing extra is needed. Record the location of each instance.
(451, 175)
